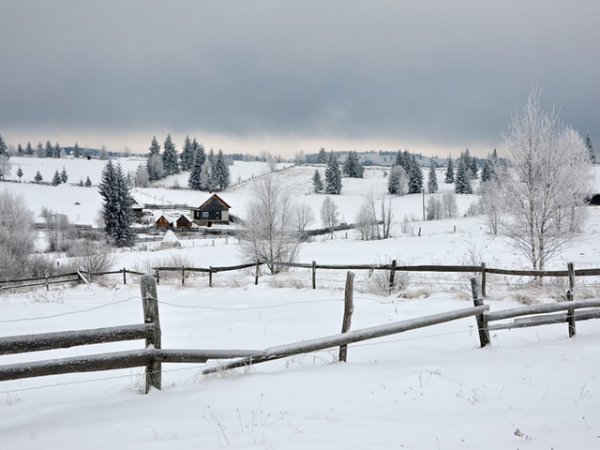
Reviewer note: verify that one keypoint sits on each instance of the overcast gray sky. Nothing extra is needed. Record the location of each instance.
(433, 76)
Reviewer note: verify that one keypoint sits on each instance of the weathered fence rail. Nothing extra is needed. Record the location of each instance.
(153, 356)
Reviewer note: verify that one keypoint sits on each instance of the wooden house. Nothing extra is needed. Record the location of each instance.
(184, 221)
(163, 222)
(213, 211)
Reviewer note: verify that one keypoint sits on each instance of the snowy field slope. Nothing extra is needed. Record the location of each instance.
(426, 389)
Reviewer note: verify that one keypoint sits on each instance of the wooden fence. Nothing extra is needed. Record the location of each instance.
(392, 269)
(152, 356)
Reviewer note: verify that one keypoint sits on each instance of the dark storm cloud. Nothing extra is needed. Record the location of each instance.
(442, 71)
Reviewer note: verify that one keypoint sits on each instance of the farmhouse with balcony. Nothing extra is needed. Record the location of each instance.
(213, 211)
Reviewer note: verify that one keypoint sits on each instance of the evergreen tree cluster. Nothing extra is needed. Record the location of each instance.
(353, 167)
(116, 205)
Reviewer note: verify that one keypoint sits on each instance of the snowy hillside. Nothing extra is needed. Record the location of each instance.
(433, 388)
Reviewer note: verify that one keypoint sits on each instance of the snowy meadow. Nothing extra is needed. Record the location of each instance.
(432, 388)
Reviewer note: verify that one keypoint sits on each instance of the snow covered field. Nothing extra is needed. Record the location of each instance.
(427, 389)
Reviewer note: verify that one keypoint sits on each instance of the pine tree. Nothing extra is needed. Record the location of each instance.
(352, 166)
(195, 180)
(170, 158)
(449, 172)
(221, 172)
(49, 150)
(322, 156)
(3, 147)
(415, 177)
(154, 164)
(590, 149)
(88, 182)
(20, 150)
(486, 172)
(317, 182)
(432, 185)
(63, 175)
(212, 176)
(56, 151)
(76, 151)
(56, 179)
(473, 168)
(187, 154)
(333, 176)
(39, 151)
(116, 205)
(462, 183)
(19, 173)
(29, 149)
(38, 177)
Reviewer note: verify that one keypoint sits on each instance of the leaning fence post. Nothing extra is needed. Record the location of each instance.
(153, 339)
(392, 275)
(314, 274)
(257, 272)
(482, 323)
(570, 296)
(124, 275)
(348, 310)
(483, 280)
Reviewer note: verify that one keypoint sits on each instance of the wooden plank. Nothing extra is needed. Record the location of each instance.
(570, 297)
(201, 356)
(529, 273)
(66, 339)
(482, 324)
(541, 309)
(310, 345)
(93, 363)
(548, 319)
(348, 310)
(392, 274)
(153, 341)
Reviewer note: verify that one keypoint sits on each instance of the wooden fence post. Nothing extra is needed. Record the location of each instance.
(314, 274)
(483, 280)
(257, 272)
(210, 272)
(182, 275)
(157, 275)
(482, 323)
(124, 275)
(392, 276)
(47, 285)
(348, 310)
(570, 298)
(150, 303)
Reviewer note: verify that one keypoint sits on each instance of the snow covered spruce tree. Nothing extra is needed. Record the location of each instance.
(267, 232)
(542, 188)
(462, 181)
(333, 176)
(220, 172)
(415, 177)
(590, 149)
(317, 182)
(449, 172)
(170, 158)
(155, 164)
(352, 166)
(432, 185)
(3, 147)
(116, 205)
(56, 179)
(187, 154)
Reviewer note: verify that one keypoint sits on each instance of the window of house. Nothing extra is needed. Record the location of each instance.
(205, 214)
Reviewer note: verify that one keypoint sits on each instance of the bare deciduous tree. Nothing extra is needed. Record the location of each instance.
(268, 232)
(304, 218)
(543, 187)
(329, 215)
(16, 236)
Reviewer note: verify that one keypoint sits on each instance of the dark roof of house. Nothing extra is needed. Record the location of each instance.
(214, 196)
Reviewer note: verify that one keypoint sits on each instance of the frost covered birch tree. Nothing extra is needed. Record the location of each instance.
(541, 191)
(268, 232)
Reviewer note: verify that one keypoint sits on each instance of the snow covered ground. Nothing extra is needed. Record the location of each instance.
(427, 389)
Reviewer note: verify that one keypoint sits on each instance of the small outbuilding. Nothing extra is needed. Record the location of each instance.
(213, 211)
(184, 221)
